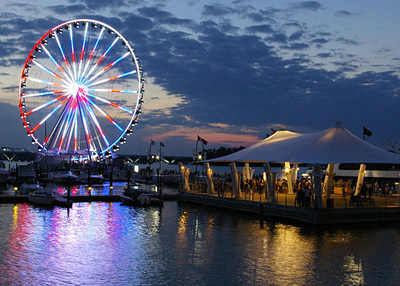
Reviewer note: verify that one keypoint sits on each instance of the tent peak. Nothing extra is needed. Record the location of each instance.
(338, 123)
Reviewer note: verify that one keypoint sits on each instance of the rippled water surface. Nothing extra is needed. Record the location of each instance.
(114, 244)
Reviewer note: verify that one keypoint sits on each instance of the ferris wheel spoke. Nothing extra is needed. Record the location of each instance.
(45, 105)
(49, 115)
(49, 71)
(105, 115)
(107, 68)
(42, 93)
(56, 63)
(83, 50)
(85, 126)
(52, 139)
(96, 122)
(76, 130)
(70, 128)
(71, 36)
(45, 82)
(97, 64)
(63, 55)
(112, 90)
(66, 123)
(110, 103)
(112, 78)
(93, 52)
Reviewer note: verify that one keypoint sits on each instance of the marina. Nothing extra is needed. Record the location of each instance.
(187, 244)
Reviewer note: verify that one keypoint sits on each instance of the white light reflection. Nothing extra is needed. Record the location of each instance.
(353, 272)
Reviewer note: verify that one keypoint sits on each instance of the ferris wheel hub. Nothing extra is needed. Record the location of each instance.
(77, 90)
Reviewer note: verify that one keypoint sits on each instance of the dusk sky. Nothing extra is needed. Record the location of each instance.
(229, 71)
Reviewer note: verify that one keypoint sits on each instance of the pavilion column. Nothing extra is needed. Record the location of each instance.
(295, 171)
(289, 177)
(360, 180)
(317, 185)
(185, 172)
(210, 183)
(328, 179)
(246, 171)
(269, 183)
(235, 180)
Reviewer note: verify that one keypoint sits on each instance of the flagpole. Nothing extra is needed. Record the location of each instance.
(160, 178)
(196, 155)
(202, 156)
(160, 164)
(149, 156)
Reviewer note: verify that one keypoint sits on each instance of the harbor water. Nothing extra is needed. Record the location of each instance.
(183, 244)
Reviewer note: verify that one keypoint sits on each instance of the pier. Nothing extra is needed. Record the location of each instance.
(385, 209)
(337, 211)
(18, 199)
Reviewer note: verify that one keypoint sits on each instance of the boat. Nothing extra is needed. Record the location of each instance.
(61, 201)
(22, 173)
(137, 197)
(64, 178)
(4, 174)
(94, 179)
(28, 187)
(42, 196)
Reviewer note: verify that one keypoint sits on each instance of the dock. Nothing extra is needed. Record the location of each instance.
(385, 209)
(18, 199)
(340, 211)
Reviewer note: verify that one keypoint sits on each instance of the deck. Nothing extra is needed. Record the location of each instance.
(385, 209)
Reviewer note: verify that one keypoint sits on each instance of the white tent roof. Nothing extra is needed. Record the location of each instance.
(334, 145)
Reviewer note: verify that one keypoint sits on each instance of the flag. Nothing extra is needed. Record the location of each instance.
(201, 140)
(366, 131)
(162, 144)
(152, 142)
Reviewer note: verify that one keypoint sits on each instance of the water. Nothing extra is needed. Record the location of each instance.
(178, 244)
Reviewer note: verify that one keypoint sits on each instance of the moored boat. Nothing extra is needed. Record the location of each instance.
(93, 179)
(42, 196)
(64, 178)
(139, 198)
(28, 187)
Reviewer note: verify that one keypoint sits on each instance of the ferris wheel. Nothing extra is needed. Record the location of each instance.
(81, 89)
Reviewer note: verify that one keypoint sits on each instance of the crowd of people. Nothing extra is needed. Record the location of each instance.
(303, 190)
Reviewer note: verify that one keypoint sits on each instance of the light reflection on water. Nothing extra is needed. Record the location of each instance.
(113, 244)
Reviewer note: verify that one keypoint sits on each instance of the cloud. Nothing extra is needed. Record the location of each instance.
(14, 135)
(307, 5)
(100, 4)
(347, 41)
(324, 55)
(319, 41)
(260, 29)
(297, 46)
(216, 10)
(343, 13)
(67, 9)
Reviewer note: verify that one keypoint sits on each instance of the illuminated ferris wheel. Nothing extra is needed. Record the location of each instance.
(81, 89)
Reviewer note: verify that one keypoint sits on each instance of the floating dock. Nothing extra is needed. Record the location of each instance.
(76, 198)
